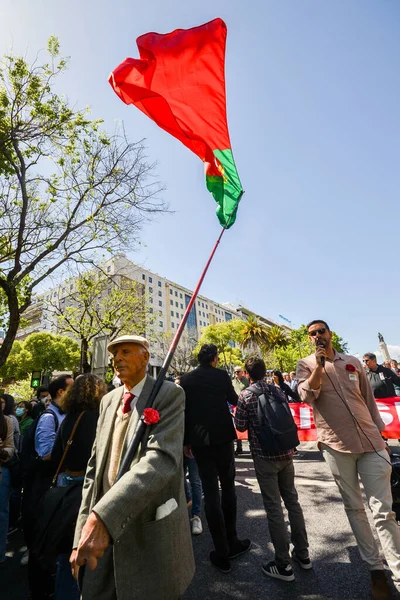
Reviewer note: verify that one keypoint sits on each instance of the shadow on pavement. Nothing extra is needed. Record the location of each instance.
(338, 572)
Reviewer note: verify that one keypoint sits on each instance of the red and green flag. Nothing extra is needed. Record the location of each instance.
(179, 82)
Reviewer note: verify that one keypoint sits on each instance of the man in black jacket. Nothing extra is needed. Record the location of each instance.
(381, 378)
(209, 435)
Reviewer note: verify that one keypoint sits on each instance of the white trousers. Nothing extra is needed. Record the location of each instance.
(374, 473)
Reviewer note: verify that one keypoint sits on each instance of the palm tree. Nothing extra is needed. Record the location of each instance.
(276, 338)
(253, 335)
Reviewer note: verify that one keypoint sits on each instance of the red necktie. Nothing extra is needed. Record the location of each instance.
(127, 398)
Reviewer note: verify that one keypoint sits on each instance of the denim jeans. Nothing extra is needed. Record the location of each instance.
(66, 585)
(5, 489)
(195, 491)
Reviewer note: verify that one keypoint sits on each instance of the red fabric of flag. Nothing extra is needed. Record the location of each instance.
(179, 82)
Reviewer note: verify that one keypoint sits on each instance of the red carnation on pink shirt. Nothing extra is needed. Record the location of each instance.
(350, 367)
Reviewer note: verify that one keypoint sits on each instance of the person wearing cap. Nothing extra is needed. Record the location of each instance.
(240, 383)
(133, 534)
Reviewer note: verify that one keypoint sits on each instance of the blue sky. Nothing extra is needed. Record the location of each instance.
(314, 112)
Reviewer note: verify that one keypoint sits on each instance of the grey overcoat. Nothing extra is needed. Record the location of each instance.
(149, 559)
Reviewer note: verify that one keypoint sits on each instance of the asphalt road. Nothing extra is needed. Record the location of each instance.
(338, 572)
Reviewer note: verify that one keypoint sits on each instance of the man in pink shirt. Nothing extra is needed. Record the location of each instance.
(348, 429)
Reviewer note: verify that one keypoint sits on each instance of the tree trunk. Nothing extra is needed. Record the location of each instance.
(84, 365)
(15, 317)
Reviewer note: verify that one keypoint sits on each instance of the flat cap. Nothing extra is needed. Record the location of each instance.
(130, 339)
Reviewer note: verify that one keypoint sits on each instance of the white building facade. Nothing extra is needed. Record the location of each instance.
(167, 302)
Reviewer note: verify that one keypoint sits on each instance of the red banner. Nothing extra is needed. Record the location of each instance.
(389, 409)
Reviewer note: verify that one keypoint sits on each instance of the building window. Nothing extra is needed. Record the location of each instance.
(177, 315)
(172, 325)
(191, 322)
(159, 292)
(150, 310)
(181, 306)
(108, 269)
(228, 317)
(207, 306)
(201, 324)
(150, 290)
(202, 304)
(143, 277)
(172, 313)
(160, 303)
(177, 304)
(198, 302)
(204, 314)
(171, 302)
(150, 279)
(176, 293)
(159, 284)
(170, 291)
(151, 300)
(161, 324)
(180, 296)
(160, 313)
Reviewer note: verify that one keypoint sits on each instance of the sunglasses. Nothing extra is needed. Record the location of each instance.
(320, 331)
(366, 359)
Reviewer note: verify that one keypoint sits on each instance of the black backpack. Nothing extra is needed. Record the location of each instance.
(28, 453)
(278, 431)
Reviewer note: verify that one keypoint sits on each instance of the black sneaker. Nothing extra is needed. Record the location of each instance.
(220, 563)
(284, 573)
(305, 563)
(238, 548)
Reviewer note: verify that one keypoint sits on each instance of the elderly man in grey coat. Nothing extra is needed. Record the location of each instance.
(133, 534)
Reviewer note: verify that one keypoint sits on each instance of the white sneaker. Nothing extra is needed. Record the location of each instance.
(25, 558)
(197, 527)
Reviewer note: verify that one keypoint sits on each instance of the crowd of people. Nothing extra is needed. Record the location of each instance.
(95, 530)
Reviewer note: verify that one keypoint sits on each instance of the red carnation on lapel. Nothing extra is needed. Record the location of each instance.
(350, 367)
(151, 416)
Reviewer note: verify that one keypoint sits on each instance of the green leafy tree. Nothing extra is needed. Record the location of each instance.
(286, 357)
(51, 353)
(224, 336)
(17, 365)
(230, 358)
(40, 352)
(68, 191)
(101, 305)
(20, 390)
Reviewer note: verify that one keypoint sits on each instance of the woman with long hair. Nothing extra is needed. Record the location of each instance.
(6, 452)
(83, 396)
(280, 383)
(8, 406)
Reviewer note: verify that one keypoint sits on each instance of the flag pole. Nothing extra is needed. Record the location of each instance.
(141, 427)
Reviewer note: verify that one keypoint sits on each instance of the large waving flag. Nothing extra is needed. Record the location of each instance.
(179, 82)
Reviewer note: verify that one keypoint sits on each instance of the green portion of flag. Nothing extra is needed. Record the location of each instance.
(179, 83)
(226, 188)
